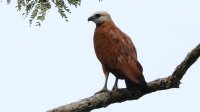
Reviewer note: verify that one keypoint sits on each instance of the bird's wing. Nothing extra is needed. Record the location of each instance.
(130, 66)
(115, 50)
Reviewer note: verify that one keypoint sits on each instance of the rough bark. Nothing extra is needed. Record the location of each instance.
(105, 99)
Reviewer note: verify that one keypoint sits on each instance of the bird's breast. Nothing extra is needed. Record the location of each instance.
(106, 50)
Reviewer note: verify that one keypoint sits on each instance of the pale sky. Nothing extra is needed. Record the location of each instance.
(45, 67)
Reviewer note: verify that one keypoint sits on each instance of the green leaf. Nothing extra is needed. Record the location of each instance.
(37, 9)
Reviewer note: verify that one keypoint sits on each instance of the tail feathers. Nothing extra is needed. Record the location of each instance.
(133, 86)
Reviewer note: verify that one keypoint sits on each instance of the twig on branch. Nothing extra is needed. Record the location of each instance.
(105, 99)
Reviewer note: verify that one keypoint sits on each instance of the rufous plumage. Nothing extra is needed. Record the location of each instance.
(117, 53)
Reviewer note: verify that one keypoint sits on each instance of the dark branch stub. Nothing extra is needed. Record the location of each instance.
(105, 99)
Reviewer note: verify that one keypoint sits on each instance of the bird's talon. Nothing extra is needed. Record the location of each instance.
(115, 89)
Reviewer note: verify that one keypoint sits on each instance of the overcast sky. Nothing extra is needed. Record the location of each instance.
(55, 64)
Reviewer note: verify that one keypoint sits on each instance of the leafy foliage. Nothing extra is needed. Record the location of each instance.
(37, 9)
(62, 8)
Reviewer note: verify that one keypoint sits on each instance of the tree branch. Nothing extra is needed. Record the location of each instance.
(105, 99)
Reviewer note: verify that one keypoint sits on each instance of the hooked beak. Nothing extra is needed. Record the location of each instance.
(90, 18)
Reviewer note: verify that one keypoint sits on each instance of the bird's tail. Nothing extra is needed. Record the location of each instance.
(133, 86)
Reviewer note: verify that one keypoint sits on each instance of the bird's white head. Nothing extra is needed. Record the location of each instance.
(99, 17)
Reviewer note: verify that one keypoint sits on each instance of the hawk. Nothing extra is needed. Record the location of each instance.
(117, 53)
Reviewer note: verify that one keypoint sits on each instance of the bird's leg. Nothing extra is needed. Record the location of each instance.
(104, 89)
(115, 87)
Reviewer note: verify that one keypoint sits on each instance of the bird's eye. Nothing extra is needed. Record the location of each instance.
(97, 15)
